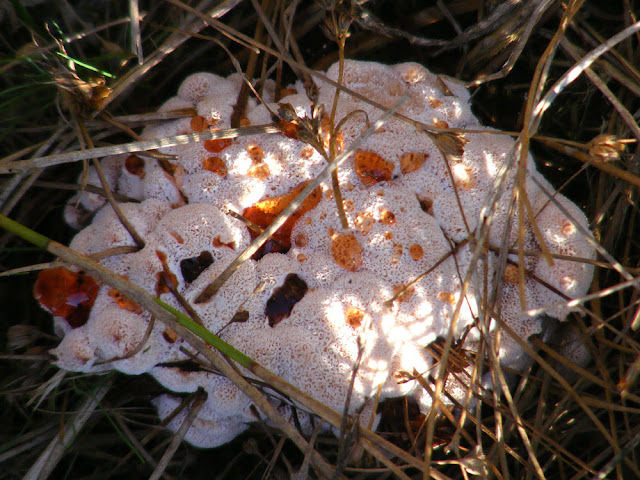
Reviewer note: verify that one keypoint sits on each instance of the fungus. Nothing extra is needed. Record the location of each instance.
(320, 295)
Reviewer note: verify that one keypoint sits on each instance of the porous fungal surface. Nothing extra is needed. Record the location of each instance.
(315, 298)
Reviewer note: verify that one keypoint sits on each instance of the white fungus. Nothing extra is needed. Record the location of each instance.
(317, 296)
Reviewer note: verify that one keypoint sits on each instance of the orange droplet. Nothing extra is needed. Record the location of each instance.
(265, 212)
(441, 124)
(410, 162)
(219, 243)
(396, 253)
(170, 336)
(198, 123)
(165, 281)
(347, 251)
(348, 205)
(405, 295)
(387, 217)
(124, 302)
(245, 122)
(301, 240)
(511, 275)
(307, 152)
(216, 146)
(289, 129)
(260, 171)
(416, 252)
(134, 165)
(434, 102)
(66, 294)
(215, 165)
(447, 297)
(568, 228)
(354, 317)
(255, 153)
(364, 222)
(426, 204)
(177, 236)
(288, 91)
(372, 168)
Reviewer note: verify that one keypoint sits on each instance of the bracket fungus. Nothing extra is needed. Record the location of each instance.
(316, 300)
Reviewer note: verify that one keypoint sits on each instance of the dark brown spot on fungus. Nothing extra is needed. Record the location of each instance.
(66, 294)
(283, 299)
(191, 268)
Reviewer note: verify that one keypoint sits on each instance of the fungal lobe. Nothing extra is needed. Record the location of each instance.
(283, 299)
(66, 294)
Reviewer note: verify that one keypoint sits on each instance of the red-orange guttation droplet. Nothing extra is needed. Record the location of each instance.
(264, 213)
(198, 123)
(124, 302)
(216, 146)
(166, 281)
(215, 165)
(283, 299)
(66, 294)
(134, 165)
(372, 168)
(289, 129)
